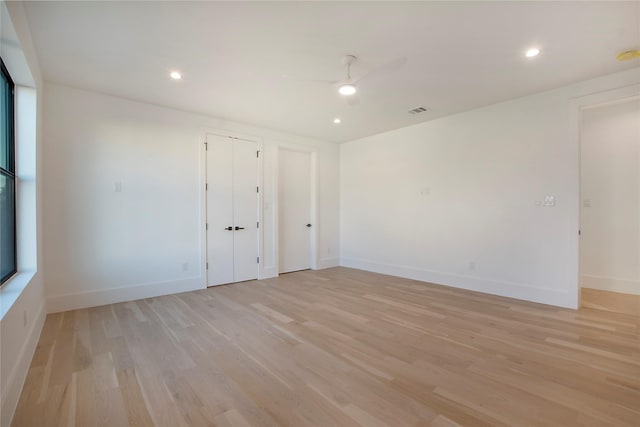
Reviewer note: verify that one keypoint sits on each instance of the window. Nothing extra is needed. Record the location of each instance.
(8, 261)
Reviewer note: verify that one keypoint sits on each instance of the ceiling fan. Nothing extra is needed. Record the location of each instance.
(348, 86)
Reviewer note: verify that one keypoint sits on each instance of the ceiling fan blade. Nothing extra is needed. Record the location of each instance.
(384, 68)
(329, 82)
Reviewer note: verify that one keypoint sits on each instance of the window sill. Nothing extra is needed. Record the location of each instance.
(11, 290)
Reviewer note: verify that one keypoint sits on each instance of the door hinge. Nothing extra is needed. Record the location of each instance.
(258, 153)
(206, 226)
(258, 260)
(206, 146)
(206, 186)
(257, 224)
(207, 266)
(257, 189)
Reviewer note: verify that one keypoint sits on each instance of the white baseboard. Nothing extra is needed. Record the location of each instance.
(78, 300)
(523, 291)
(18, 374)
(328, 263)
(625, 286)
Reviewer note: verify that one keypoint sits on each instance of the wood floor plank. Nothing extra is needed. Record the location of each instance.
(335, 347)
(616, 302)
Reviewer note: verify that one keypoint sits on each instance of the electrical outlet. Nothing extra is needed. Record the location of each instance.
(117, 187)
(185, 266)
(586, 203)
(549, 201)
(329, 251)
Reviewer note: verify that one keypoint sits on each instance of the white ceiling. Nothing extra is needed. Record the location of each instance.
(460, 55)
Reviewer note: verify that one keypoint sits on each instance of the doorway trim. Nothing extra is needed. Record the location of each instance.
(314, 215)
(203, 196)
(576, 107)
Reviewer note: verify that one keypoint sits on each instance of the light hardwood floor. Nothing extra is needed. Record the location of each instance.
(610, 301)
(333, 347)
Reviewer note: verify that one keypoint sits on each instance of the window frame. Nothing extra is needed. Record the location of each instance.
(11, 173)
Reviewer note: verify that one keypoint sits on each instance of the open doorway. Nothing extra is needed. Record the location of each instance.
(610, 206)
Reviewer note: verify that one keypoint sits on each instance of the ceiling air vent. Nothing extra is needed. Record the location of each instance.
(418, 110)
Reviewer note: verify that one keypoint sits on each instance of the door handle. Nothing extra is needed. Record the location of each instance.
(239, 228)
(308, 225)
(229, 228)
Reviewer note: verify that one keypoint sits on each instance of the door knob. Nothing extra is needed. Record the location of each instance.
(308, 225)
(229, 228)
(239, 228)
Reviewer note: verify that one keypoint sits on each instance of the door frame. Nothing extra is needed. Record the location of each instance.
(203, 197)
(576, 107)
(314, 190)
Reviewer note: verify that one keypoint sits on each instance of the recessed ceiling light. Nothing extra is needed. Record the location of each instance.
(175, 75)
(337, 120)
(532, 52)
(347, 89)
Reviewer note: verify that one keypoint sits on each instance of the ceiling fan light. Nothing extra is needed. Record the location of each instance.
(534, 51)
(347, 89)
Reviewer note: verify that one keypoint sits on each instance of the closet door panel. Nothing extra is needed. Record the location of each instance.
(220, 241)
(245, 210)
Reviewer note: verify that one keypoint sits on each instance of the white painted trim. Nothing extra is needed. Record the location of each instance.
(315, 211)
(202, 181)
(276, 210)
(523, 291)
(271, 270)
(613, 284)
(18, 374)
(77, 300)
(576, 106)
(260, 207)
(12, 289)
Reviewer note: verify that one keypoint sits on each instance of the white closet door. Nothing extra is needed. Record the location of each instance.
(294, 210)
(232, 210)
(220, 251)
(245, 210)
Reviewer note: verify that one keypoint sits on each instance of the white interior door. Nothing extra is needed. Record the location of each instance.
(294, 210)
(232, 210)
(219, 210)
(245, 210)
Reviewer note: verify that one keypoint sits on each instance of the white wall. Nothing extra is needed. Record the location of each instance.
(103, 246)
(610, 192)
(22, 308)
(458, 200)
